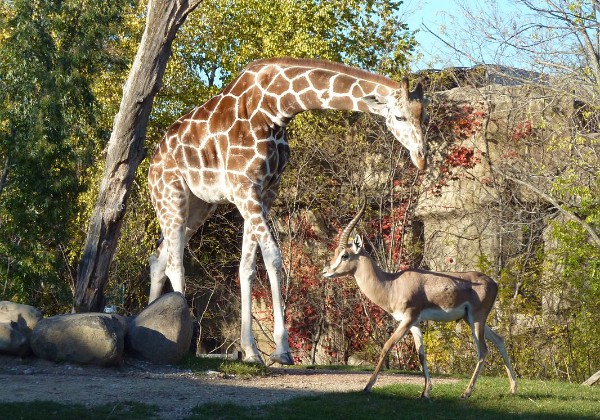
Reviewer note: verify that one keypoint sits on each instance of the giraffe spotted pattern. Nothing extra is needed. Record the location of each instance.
(233, 149)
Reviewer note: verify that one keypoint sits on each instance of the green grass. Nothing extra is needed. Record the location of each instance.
(49, 411)
(490, 400)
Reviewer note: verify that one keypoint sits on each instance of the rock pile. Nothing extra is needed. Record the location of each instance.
(161, 334)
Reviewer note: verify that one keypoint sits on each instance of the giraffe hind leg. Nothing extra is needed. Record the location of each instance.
(158, 264)
(199, 211)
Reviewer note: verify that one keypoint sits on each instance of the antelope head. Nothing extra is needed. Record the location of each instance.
(346, 257)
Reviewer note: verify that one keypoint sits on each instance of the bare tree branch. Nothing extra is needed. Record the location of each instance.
(554, 203)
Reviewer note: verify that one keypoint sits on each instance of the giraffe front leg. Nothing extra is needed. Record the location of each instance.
(247, 275)
(272, 258)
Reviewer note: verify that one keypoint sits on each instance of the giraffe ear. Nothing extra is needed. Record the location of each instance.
(418, 92)
(375, 102)
(404, 83)
(404, 89)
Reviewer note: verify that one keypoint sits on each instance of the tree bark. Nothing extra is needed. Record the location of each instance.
(126, 149)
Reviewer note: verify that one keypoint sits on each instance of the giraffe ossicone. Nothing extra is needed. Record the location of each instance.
(233, 149)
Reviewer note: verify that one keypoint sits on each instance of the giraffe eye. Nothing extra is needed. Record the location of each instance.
(400, 118)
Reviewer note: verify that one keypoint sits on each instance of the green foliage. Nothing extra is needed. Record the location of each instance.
(576, 291)
(556, 314)
(48, 58)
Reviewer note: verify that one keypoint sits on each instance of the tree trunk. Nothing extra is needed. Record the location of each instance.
(126, 149)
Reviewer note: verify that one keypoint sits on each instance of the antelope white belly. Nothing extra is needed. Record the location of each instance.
(440, 315)
(443, 315)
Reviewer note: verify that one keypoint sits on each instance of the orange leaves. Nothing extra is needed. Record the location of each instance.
(522, 130)
(460, 156)
(467, 122)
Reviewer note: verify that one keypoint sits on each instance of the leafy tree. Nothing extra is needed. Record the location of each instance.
(50, 52)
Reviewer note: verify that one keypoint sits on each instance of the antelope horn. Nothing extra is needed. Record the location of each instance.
(346, 233)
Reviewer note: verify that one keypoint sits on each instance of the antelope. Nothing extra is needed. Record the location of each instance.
(413, 295)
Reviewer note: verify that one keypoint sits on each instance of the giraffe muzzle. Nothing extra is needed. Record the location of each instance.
(419, 159)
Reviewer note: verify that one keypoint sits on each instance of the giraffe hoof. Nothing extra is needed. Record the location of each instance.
(367, 389)
(255, 359)
(283, 358)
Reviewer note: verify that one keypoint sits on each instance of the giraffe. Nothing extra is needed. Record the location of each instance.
(233, 149)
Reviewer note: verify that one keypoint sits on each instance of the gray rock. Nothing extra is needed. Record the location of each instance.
(16, 323)
(13, 341)
(25, 316)
(88, 338)
(162, 332)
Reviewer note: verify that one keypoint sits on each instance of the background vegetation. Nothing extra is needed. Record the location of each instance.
(62, 67)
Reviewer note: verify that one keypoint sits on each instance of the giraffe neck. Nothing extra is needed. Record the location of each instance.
(282, 88)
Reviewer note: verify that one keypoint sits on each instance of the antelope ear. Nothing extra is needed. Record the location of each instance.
(375, 102)
(357, 243)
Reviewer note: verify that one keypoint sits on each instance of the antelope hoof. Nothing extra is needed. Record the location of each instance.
(367, 389)
(283, 358)
(465, 395)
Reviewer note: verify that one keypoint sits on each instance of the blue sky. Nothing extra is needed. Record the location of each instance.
(444, 16)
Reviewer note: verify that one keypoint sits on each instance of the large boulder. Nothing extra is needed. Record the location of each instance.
(16, 323)
(25, 316)
(162, 332)
(88, 338)
(13, 340)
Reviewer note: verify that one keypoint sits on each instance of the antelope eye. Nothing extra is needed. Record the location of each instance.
(345, 256)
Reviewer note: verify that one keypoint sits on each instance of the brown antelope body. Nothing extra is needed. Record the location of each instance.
(412, 296)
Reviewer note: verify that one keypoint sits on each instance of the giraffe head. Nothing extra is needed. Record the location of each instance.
(404, 112)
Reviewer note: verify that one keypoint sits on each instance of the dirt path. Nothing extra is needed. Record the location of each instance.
(175, 391)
